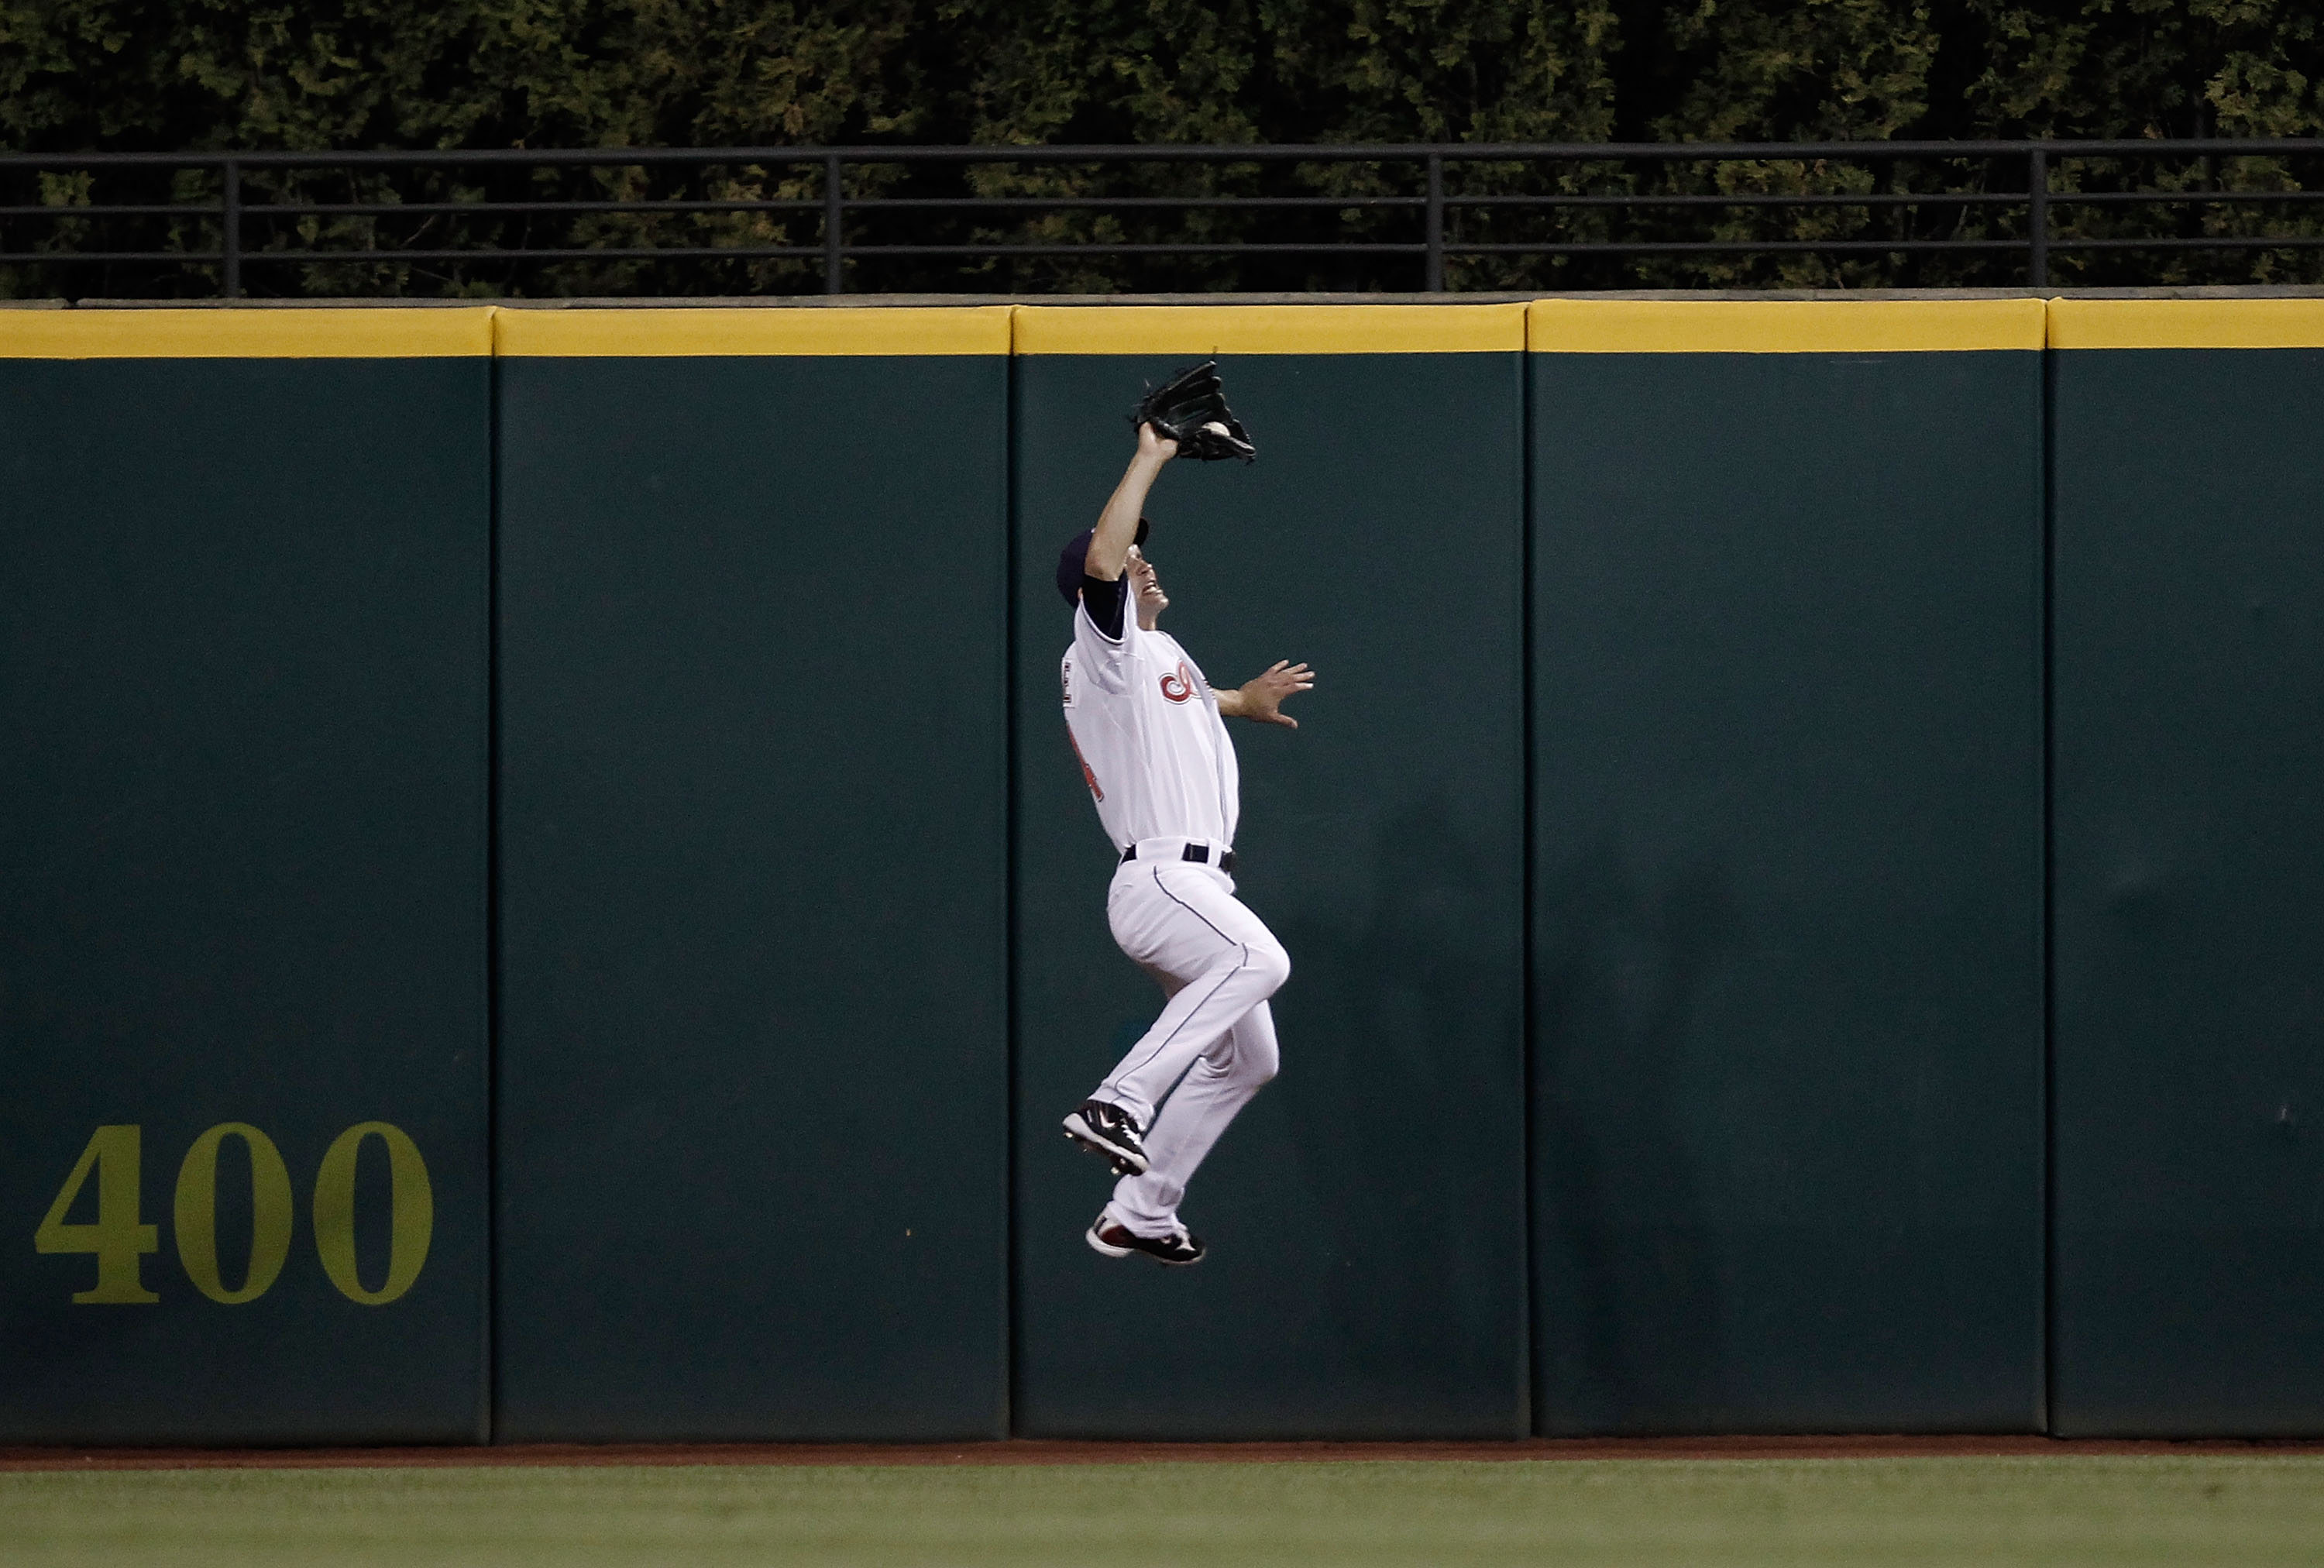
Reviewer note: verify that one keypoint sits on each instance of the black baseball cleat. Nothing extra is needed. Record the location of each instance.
(1179, 1248)
(1107, 1129)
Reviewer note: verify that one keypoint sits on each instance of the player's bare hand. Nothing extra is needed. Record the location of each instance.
(1159, 448)
(1263, 696)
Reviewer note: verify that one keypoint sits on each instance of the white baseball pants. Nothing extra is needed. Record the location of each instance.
(1180, 921)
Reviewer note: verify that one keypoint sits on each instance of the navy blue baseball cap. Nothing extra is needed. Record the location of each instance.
(1073, 562)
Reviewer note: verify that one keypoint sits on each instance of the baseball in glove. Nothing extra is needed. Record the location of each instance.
(1190, 409)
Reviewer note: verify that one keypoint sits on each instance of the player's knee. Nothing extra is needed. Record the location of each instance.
(1269, 962)
(1258, 1063)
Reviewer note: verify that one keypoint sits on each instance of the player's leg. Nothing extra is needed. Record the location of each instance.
(1184, 921)
(1218, 1085)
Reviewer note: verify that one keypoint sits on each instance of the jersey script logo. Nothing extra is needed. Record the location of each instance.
(1179, 684)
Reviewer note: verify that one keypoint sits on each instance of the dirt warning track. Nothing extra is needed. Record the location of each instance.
(1040, 1451)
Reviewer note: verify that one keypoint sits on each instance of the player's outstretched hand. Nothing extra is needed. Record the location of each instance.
(1151, 445)
(1262, 696)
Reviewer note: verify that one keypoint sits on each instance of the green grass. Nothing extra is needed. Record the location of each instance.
(1735, 1513)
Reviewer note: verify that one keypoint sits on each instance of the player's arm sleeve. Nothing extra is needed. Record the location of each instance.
(1103, 631)
(1103, 601)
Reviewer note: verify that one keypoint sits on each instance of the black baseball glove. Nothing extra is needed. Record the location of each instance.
(1190, 410)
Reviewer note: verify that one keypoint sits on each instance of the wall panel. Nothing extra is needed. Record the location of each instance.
(243, 871)
(2189, 653)
(1787, 1070)
(753, 1074)
(1365, 1213)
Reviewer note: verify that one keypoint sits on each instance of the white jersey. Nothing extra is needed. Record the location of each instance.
(1146, 724)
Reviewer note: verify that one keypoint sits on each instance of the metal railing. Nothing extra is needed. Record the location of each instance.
(797, 219)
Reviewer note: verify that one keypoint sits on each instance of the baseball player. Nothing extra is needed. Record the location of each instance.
(1147, 729)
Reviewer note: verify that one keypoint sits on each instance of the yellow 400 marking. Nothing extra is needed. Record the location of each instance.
(120, 1239)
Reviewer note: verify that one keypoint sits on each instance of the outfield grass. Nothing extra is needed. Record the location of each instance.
(1735, 1513)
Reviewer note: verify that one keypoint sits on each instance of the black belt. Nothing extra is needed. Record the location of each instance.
(1200, 854)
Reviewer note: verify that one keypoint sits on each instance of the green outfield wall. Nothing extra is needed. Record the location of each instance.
(752, 1134)
(2187, 570)
(1787, 1071)
(546, 896)
(1366, 1211)
(243, 1146)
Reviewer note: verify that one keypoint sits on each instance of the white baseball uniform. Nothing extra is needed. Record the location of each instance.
(1155, 755)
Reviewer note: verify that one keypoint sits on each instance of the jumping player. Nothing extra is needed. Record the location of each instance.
(1147, 729)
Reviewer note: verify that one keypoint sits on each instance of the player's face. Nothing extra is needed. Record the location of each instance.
(1152, 599)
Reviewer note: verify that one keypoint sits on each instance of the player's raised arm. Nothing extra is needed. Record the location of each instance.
(1117, 525)
(1261, 699)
